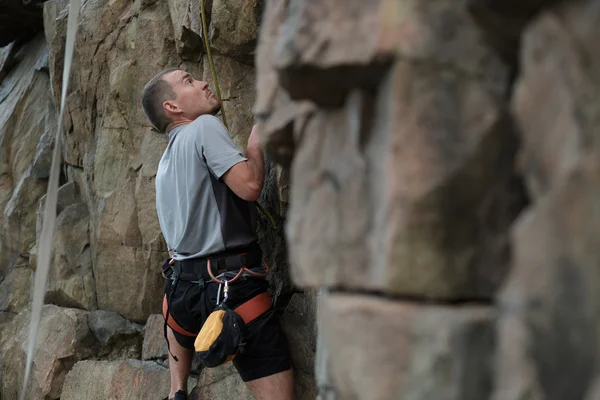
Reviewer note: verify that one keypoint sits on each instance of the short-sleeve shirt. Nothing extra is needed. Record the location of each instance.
(199, 215)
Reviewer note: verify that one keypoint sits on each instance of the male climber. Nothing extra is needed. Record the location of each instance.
(205, 193)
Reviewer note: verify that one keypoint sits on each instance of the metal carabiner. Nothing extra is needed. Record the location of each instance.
(219, 294)
(225, 292)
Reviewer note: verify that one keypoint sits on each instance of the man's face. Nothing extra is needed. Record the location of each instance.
(194, 98)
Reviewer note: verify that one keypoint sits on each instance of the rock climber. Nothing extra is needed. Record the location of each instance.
(205, 194)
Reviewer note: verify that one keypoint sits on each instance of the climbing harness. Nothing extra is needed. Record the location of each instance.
(213, 72)
(222, 335)
(240, 273)
(49, 218)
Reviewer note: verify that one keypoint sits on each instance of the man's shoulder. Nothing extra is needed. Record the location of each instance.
(208, 121)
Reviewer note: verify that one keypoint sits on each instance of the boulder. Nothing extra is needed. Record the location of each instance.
(118, 337)
(124, 379)
(63, 339)
(382, 349)
(154, 346)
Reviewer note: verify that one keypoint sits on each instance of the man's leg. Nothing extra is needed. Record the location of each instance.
(180, 370)
(279, 386)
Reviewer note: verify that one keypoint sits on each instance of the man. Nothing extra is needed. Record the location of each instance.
(205, 189)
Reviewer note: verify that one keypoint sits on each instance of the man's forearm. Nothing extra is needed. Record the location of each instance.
(246, 179)
(256, 165)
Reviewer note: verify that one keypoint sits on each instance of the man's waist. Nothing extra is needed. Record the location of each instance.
(231, 260)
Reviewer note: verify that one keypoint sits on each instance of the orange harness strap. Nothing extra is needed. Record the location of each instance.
(255, 307)
(172, 323)
(249, 311)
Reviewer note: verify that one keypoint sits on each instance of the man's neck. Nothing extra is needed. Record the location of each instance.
(174, 125)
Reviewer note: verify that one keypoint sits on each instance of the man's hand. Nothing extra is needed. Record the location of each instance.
(246, 178)
(254, 140)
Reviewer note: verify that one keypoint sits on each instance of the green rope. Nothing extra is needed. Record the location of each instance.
(210, 62)
(268, 215)
(218, 90)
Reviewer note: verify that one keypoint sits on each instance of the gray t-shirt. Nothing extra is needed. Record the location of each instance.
(199, 215)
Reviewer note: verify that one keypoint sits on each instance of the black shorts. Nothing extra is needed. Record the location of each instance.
(266, 351)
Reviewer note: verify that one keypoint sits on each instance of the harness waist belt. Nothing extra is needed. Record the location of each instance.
(194, 269)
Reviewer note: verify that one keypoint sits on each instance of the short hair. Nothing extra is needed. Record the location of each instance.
(155, 93)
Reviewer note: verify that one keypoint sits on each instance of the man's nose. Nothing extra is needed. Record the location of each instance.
(203, 85)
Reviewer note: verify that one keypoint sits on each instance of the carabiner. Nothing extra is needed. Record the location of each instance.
(225, 291)
(219, 295)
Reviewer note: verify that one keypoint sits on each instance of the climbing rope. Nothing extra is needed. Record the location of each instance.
(49, 218)
(210, 62)
(213, 72)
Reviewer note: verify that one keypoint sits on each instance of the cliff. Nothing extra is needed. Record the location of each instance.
(101, 335)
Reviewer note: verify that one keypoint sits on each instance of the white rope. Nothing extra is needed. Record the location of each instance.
(49, 219)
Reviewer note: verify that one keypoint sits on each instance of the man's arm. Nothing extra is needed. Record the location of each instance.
(246, 178)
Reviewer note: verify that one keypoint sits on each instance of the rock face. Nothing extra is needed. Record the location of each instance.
(549, 306)
(443, 161)
(437, 117)
(105, 285)
(27, 113)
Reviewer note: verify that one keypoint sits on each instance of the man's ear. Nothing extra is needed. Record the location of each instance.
(171, 107)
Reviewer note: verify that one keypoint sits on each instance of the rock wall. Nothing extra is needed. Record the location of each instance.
(444, 171)
(444, 168)
(105, 288)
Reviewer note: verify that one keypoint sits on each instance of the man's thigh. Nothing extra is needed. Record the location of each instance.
(273, 387)
(266, 352)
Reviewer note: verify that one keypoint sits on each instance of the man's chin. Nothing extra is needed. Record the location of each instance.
(216, 109)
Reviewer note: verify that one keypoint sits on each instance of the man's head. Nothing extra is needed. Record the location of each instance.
(175, 96)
